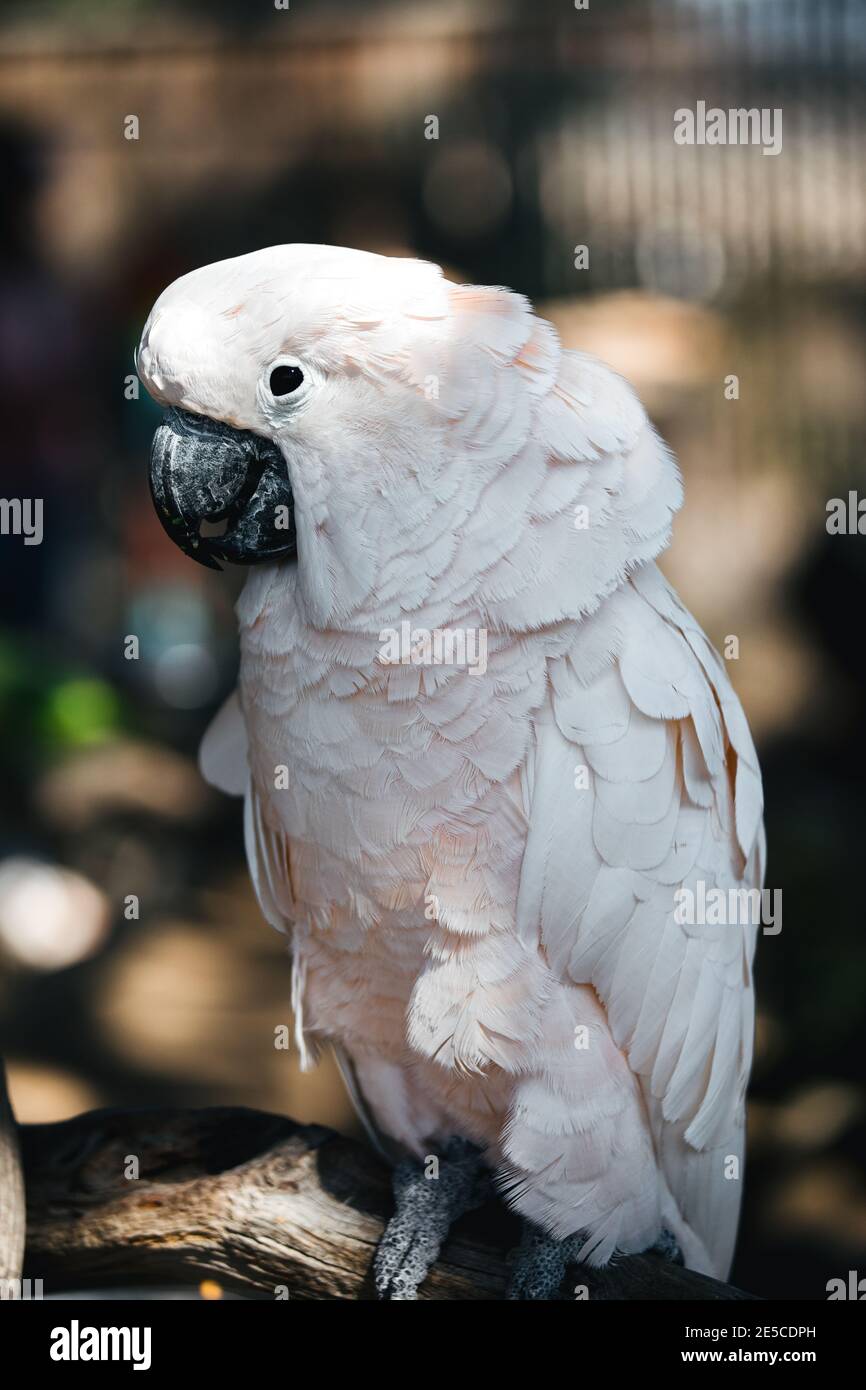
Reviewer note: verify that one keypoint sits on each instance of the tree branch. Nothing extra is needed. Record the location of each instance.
(11, 1195)
(262, 1205)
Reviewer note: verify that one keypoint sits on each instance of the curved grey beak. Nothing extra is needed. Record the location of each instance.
(202, 470)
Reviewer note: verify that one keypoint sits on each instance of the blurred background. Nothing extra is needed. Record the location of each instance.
(134, 964)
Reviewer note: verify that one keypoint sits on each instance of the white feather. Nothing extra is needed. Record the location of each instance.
(481, 866)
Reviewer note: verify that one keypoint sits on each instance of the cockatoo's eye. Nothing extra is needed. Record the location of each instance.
(285, 379)
(283, 389)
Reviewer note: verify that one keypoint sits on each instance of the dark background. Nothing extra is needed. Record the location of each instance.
(259, 126)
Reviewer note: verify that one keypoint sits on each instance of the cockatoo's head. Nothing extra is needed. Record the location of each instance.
(396, 442)
(303, 409)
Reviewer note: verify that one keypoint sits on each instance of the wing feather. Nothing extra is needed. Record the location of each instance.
(670, 759)
(223, 752)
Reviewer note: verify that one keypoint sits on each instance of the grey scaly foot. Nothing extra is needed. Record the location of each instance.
(541, 1263)
(668, 1247)
(427, 1207)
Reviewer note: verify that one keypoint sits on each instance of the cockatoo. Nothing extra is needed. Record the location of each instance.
(480, 862)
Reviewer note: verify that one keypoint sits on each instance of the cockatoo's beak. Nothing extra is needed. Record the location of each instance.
(202, 470)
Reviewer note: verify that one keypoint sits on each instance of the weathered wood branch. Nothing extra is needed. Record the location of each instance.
(262, 1205)
(11, 1193)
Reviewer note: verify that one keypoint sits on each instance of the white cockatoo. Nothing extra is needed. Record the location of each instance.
(485, 751)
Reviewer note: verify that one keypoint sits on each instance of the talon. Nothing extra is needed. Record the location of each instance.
(540, 1264)
(668, 1247)
(426, 1208)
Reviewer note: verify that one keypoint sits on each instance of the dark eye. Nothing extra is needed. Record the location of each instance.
(284, 380)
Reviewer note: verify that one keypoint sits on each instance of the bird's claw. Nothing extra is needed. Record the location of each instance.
(429, 1199)
(541, 1262)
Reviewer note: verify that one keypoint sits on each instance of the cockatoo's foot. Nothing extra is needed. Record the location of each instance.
(541, 1262)
(429, 1199)
(667, 1247)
